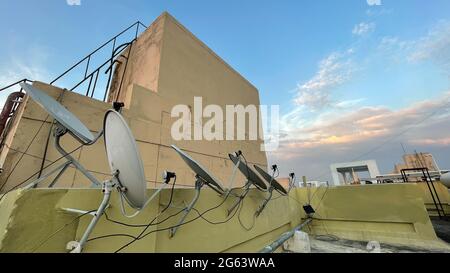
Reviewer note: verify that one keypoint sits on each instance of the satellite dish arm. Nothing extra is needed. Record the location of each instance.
(59, 132)
(167, 176)
(264, 204)
(77, 247)
(99, 135)
(122, 206)
(233, 175)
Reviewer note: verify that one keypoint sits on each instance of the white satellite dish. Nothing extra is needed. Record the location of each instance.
(250, 175)
(127, 170)
(59, 112)
(273, 185)
(123, 156)
(202, 177)
(66, 122)
(200, 171)
(271, 180)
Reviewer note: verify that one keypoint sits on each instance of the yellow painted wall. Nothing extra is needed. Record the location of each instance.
(391, 213)
(443, 194)
(28, 217)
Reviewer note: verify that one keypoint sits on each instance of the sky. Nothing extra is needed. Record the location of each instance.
(354, 79)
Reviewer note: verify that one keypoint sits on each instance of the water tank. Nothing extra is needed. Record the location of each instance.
(445, 179)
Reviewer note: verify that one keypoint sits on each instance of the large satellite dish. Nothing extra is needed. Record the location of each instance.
(123, 156)
(202, 177)
(248, 173)
(127, 170)
(66, 122)
(59, 112)
(271, 180)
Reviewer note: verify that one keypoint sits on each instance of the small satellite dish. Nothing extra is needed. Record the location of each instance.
(123, 156)
(202, 177)
(66, 122)
(273, 185)
(59, 112)
(252, 178)
(249, 173)
(199, 170)
(271, 180)
(127, 170)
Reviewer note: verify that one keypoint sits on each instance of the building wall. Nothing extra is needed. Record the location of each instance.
(150, 126)
(392, 214)
(168, 66)
(388, 213)
(186, 68)
(443, 194)
(419, 160)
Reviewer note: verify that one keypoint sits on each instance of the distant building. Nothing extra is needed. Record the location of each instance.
(348, 171)
(417, 160)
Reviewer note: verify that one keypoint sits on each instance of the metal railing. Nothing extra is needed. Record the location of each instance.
(426, 177)
(92, 76)
(13, 84)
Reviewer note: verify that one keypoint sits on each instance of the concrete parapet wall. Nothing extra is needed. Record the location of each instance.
(389, 213)
(393, 214)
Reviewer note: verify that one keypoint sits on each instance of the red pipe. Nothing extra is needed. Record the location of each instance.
(7, 109)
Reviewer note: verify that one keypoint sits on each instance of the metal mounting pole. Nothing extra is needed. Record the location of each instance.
(42, 178)
(59, 132)
(198, 186)
(264, 204)
(240, 197)
(77, 247)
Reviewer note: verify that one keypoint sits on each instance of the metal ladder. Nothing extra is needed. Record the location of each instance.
(431, 188)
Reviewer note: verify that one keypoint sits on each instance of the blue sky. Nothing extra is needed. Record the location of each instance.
(336, 68)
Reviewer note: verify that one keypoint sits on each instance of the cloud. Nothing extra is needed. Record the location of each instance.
(445, 141)
(365, 132)
(375, 12)
(363, 28)
(73, 2)
(374, 2)
(333, 71)
(30, 65)
(349, 103)
(347, 130)
(433, 46)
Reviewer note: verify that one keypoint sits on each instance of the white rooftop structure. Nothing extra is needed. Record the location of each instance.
(350, 169)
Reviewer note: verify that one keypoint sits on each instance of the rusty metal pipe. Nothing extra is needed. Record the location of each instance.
(8, 108)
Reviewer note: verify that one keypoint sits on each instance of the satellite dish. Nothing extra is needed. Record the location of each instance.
(127, 170)
(123, 156)
(249, 173)
(59, 112)
(66, 122)
(252, 178)
(271, 180)
(199, 170)
(273, 185)
(202, 177)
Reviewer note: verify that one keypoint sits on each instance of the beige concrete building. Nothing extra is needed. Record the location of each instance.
(417, 160)
(167, 66)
